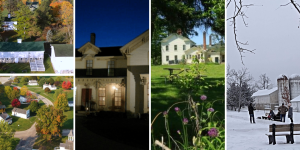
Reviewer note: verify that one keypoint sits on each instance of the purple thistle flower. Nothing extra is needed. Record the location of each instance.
(203, 97)
(213, 132)
(185, 121)
(165, 113)
(210, 109)
(178, 131)
(177, 109)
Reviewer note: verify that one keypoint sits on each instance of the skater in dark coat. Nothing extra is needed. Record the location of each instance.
(250, 109)
(290, 112)
(271, 115)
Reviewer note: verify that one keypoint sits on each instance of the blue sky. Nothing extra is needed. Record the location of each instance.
(115, 22)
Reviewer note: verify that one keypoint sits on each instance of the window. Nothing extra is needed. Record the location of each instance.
(175, 47)
(175, 57)
(190, 56)
(117, 97)
(111, 68)
(198, 56)
(89, 67)
(167, 58)
(183, 47)
(101, 96)
(167, 47)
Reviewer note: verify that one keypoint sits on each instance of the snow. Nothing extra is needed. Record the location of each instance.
(296, 99)
(264, 92)
(294, 76)
(281, 76)
(241, 134)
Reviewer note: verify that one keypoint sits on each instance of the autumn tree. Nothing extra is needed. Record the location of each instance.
(58, 92)
(7, 90)
(16, 80)
(62, 102)
(50, 121)
(43, 15)
(66, 13)
(34, 106)
(47, 90)
(16, 103)
(67, 85)
(24, 80)
(50, 80)
(24, 89)
(15, 93)
(6, 136)
(23, 17)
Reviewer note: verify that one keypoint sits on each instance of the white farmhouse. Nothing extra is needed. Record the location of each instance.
(4, 116)
(176, 48)
(51, 87)
(115, 78)
(62, 58)
(32, 82)
(267, 98)
(8, 23)
(21, 113)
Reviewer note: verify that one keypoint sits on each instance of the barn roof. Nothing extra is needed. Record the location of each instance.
(63, 50)
(21, 47)
(264, 92)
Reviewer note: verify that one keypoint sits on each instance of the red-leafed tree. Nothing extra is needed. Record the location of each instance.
(67, 85)
(15, 88)
(15, 103)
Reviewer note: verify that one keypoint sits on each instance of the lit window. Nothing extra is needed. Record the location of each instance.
(101, 96)
(89, 67)
(117, 97)
(111, 68)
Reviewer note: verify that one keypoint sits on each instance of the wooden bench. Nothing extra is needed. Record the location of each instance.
(283, 128)
(266, 116)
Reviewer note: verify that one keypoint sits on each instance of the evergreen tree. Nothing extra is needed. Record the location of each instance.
(43, 14)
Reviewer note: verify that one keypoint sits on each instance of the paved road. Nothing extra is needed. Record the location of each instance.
(28, 137)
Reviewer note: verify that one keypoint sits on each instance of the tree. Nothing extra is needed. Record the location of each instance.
(42, 82)
(66, 13)
(16, 80)
(15, 93)
(24, 80)
(7, 90)
(58, 79)
(43, 14)
(67, 85)
(57, 83)
(24, 19)
(47, 90)
(34, 106)
(15, 103)
(6, 136)
(58, 92)
(50, 121)
(62, 102)
(263, 82)
(24, 90)
(50, 80)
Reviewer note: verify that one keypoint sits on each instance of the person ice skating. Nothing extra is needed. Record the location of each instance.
(250, 109)
(290, 113)
(271, 115)
(282, 109)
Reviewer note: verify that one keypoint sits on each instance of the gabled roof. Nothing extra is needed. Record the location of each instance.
(296, 99)
(135, 43)
(63, 50)
(71, 133)
(2, 106)
(88, 46)
(4, 115)
(216, 48)
(19, 110)
(178, 36)
(264, 92)
(21, 47)
(194, 49)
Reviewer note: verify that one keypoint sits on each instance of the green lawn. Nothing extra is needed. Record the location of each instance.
(41, 143)
(164, 95)
(69, 123)
(19, 67)
(15, 143)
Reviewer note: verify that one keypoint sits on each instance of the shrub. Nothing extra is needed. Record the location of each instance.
(15, 103)
(34, 106)
(47, 90)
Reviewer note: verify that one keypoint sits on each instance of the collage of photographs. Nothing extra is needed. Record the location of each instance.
(149, 75)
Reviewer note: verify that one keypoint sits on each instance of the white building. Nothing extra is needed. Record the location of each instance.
(267, 98)
(115, 78)
(21, 113)
(51, 87)
(32, 82)
(176, 48)
(4, 116)
(9, 24)
(70, 103)
(23, 99)
(62, 58)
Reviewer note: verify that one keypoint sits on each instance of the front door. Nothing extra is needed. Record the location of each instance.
(216, 59)
(86, 95)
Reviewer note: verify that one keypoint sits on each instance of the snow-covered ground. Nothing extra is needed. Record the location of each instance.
(243, 135)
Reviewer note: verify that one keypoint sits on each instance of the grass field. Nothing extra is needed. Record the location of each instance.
(164, 95)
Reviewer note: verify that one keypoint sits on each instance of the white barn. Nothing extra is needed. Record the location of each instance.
(51, 87)
(62, 58)
(21, 113)
(267, 98)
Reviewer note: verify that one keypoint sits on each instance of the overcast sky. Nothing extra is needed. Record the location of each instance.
(273, 31)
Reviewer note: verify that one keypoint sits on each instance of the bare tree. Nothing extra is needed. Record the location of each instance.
(264, 82)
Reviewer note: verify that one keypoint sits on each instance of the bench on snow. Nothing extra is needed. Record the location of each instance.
(274, 129)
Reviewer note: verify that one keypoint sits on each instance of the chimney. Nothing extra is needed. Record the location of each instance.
(179, 31)
(209, 40)
(204, 40)
(93, 37)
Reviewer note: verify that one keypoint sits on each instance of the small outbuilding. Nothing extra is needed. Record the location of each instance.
(33, 82)
(18, 112)
(4, 116)
(2, 108)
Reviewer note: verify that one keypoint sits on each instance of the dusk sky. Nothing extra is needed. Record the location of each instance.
(115, 22)
(274, 32)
